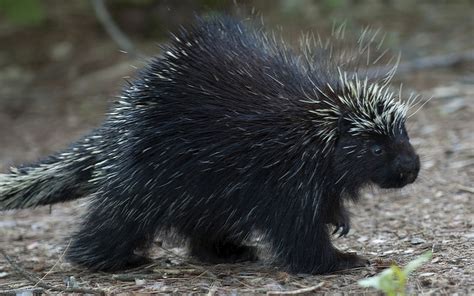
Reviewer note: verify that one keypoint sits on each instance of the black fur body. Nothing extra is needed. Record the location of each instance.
(215, 141)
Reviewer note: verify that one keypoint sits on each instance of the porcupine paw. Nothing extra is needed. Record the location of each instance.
(342, 222)
(224, 253)
(96, 261)
(349, 260)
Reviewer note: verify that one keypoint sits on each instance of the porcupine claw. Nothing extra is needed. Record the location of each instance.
(344, 230)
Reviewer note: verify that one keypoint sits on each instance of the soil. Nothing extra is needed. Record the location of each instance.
(55, 81)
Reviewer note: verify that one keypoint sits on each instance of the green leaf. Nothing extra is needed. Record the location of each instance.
(414, 264)
(400, 279)
(392, 281)
(383, 281)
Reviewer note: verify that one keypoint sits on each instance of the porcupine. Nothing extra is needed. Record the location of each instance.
(227, 133)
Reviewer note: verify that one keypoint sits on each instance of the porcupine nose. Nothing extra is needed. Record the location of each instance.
(409, 166)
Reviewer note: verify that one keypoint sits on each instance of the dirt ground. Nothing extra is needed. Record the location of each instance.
(53, 82)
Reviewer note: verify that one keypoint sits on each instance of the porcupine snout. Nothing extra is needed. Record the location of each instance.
(408, 166)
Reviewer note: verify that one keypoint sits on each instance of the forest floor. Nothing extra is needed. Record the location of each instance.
(50, 98)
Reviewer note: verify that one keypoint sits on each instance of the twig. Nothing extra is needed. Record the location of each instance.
(56, 263)
(39, 283)
(112, 29)
(296, 292)
(465, 188)
(424, 63)
(157, 274)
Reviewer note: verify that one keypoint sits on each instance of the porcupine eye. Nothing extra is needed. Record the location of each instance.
(377, 150)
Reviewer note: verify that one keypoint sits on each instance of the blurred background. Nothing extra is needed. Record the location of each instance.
(59, 68)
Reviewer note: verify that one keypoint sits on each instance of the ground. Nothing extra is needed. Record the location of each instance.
(50, 98)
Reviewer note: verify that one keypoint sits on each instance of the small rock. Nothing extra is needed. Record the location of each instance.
(71, 282)
(282, 277)
(427, 274)
(417, 241)
(378, 241)
(32, 246)
(455, 261)
(435, 260)
(156, 286)
(436, 248)
(140, 282)
(3, 275)
(426, 282)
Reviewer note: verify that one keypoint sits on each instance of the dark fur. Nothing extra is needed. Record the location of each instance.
(213, 142)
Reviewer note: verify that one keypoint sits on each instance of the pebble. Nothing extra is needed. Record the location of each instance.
(417, 241)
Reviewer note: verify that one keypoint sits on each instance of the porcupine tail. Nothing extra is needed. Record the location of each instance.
(60, 177)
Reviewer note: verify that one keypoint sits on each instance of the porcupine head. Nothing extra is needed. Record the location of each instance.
(360, 120)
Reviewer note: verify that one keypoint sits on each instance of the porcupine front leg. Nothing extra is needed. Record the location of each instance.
(305, 246)
(339, 216)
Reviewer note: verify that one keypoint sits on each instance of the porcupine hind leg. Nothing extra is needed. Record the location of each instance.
(221, 250)
(110, 239)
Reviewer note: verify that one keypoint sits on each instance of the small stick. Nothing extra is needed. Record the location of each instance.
(56, 263)
(157, 274)
(465, 188)
(111, 27)
(296, 292)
